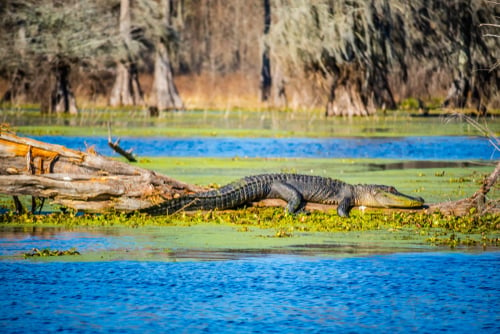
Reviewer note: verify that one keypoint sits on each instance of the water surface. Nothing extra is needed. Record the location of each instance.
(325, 286)
(205, 279)
(406, 148)
(431, 292)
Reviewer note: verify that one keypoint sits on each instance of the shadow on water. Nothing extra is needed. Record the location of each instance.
(20, 232)
(306, 250)
(423, 164)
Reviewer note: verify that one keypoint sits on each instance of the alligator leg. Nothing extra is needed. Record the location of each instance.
(289, 194)
(344, 207)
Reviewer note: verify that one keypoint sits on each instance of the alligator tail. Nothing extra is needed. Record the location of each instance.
(227, 197)
(170, 207)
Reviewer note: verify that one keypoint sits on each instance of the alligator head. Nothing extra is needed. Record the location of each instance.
(380, 196)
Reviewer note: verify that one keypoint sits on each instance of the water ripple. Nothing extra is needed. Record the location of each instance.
(412, 148)
(391, 293)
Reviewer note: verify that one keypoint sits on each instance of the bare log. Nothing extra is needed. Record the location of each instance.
(476, 203)
(80, 180)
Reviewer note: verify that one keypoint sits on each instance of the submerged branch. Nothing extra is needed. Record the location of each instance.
(116, 147)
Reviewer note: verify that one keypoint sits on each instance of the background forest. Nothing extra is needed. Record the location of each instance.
(349, 57)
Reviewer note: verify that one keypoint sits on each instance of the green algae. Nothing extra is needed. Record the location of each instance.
(35, 252)
(253, 231)
(269, 230)
(220, 242)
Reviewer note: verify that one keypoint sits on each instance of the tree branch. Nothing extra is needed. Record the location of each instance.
(116, 147)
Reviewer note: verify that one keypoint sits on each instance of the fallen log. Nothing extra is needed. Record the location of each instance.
(80, 180)
(477, 203)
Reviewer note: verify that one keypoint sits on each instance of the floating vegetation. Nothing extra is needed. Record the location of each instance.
(35, 252)
(453, 240)
(284, 233)
(436, 229)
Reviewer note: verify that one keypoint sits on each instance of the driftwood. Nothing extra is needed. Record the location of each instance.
(86, 181)
(80, 180)
(477, 203)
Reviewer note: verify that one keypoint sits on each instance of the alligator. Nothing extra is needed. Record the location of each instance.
(295, 189)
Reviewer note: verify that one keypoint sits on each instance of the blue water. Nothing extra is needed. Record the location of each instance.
(407, 148)
(59, 239)
(416, 292)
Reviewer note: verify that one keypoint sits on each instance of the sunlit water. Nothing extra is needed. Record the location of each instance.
(410, 148)
(416, 292)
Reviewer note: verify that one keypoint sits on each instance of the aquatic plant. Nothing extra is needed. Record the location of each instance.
(453, 241)
(50, 252)
(435, 229)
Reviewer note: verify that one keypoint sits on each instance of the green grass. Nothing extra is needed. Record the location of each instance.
(240, 124)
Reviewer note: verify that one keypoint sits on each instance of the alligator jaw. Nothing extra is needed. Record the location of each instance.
(385, 197)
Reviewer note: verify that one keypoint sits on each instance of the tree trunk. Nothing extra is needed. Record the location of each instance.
(379, 88)
(470, 88)
(458, 93)
(19, 83)
(265, 72)
(346, 96)
(346, 100)
(358, 92)
(165, 94)
(79, 180)
(280, 98)
(127, 89)
(18, 86)
(62, 97)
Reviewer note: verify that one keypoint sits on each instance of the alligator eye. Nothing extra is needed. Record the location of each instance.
(392, 190)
